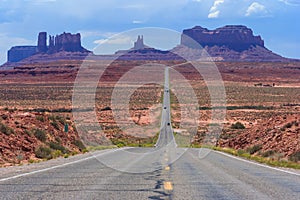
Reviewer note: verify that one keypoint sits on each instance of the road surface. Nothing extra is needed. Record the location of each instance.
(172, 173)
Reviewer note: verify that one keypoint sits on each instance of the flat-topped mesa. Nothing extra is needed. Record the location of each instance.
(235, 37)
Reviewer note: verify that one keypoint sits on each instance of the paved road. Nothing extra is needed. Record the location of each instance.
(217, 176)
(166, 136)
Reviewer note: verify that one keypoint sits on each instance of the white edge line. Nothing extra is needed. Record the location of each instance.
(58, 166)
(254, 163)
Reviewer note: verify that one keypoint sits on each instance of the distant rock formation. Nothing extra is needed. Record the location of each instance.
(235, 37)
(65, 42)
(140, 51)
(18, 53)
(42, 44)
(228, 43)
(139, 44)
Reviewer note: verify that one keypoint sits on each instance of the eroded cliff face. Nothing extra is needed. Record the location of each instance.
(63, 42)
(228, 43)
(235, 37)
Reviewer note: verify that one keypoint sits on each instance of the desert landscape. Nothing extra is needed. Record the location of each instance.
(269, 114)
(262, 99)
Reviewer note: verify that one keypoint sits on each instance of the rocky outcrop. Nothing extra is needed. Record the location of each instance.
(19, 139)
(228, 43)
(139, 44)
(279, 133)
(238, 38)
(65, 42)
(18, 53)
(140, 51)
(42, 43)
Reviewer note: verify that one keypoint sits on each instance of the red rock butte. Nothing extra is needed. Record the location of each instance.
(64, 42)
(235, 37)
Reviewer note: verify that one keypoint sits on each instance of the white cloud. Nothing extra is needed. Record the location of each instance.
(255, 8)
(91, 33)
(115, 40)
(214, 11)
(137, 22)
(214, 14)
(291, 2)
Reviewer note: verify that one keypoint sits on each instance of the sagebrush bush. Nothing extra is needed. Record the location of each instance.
(43, 152)
(56, 153)
(57, 146)
(268, 153)
(295, 157)
(40, 118)
(40, 135)
(254, 149)
(55, 125)
(238, 125)
(79, 144)
(6, 130)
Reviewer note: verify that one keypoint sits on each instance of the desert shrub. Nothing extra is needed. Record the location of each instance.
(106, 108)
(43, 152)
(254, 149)
(61, 120)
(267, 153)
(27, 132)
(54, 119)
(6, 130)
(238, 125)
(40, 135)
(56, 154)
(288, 125)
(55, 125)
(4, 116)
(57, 146)
(58, 139)
(241, 152)
(40, 118)
(119, 143)
(295, 157)
(79, 144)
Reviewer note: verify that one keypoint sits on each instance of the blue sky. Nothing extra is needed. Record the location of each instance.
(20, 21)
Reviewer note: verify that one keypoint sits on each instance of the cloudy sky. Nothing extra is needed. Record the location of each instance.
(21, 20)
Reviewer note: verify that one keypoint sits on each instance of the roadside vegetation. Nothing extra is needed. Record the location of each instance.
(135, 142)
(269, 157)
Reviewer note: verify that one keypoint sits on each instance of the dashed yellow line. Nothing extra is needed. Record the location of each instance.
(168, 185)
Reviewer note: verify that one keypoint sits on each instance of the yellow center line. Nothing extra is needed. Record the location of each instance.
(168, 185)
